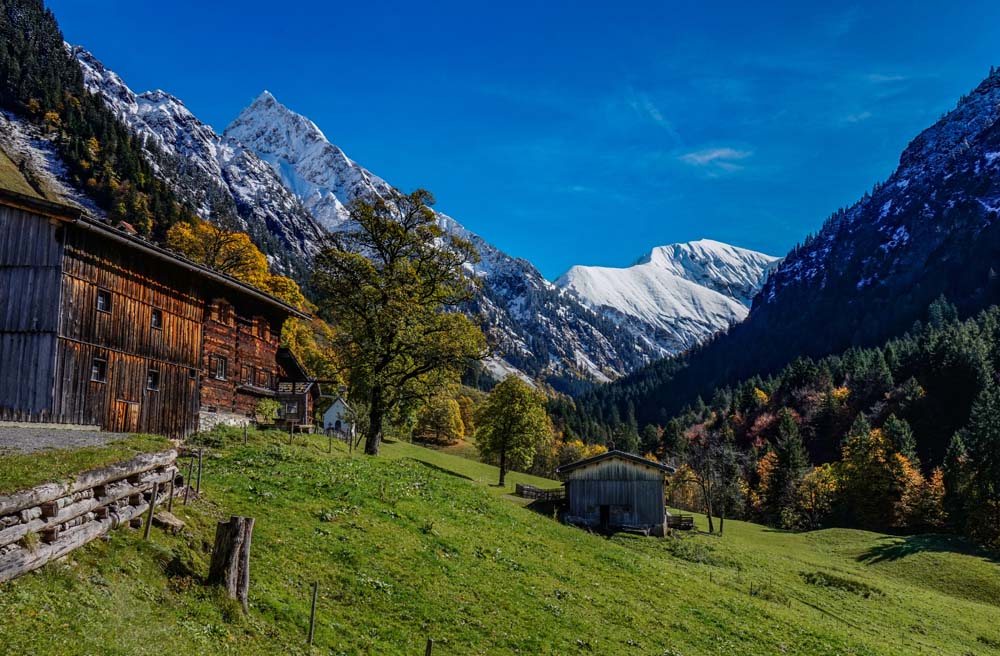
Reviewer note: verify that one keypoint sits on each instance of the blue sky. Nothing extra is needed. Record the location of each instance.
(577, 132)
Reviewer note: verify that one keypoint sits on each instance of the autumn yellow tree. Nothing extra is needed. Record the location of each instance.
(225, 251)
(815, 496)
(872, 478)
(440, 420)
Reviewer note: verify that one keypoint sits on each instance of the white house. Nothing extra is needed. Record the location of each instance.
(337, 417)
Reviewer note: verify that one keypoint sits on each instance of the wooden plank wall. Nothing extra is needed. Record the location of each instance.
(634, 493)
(231, 334)
(126, 339)
(30, 261)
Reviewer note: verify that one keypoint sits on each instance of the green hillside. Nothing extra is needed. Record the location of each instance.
(419, 544)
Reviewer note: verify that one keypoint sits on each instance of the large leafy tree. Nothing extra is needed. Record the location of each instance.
(390, 280)
(440, 420)
(511, 423)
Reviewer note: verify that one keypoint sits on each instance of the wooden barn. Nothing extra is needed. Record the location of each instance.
(616, 491)
(101, 328)
(297, 394)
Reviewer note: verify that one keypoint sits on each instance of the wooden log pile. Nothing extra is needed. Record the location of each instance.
(51, 520)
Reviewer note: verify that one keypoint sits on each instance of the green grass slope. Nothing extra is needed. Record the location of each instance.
(417, 544)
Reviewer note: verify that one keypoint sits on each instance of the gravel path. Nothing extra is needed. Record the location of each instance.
(28, 440)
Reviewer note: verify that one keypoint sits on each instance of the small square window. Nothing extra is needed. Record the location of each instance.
(99, 370)
(153, 379)
(193, 374)
(103, 300)
(246, 373)
(263, 379)
(156, 319)
(291, 408)
(218, 367)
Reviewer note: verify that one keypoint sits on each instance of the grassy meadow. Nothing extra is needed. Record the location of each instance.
(421, 543)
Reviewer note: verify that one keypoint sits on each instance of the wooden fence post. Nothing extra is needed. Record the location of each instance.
(230, 565)
(149, 513)
(245, 429)
(312, 613)
(430, 647)
(187, 488)
(197, 490)
(170, 499)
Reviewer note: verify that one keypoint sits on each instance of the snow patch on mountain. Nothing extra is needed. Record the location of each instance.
(224, 180)
(684, 292)
(275, 174)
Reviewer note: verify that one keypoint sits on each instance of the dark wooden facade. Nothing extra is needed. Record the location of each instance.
(616, 490)
(100, 328)
(296, 393)
(239, 361)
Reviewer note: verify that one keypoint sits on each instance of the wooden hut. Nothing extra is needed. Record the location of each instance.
(297, 393)
(616, 491)
(101, 328)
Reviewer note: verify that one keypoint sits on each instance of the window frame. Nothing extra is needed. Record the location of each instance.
(156, 319)
(104, 370)
(152, 379)
(109, 300)
(217, 363)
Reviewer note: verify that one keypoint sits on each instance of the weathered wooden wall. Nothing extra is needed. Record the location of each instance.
(299, 395)
(52, 271)
(127, 340)
(250, 345)
(30, 262)
(634, 493)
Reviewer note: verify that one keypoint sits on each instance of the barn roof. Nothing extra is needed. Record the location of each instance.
(622, 455)
(78, 217)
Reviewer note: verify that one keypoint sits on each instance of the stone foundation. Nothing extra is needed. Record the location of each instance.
(209, 420)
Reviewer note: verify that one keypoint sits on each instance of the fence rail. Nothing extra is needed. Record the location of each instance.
(680, 522)
(532, 492)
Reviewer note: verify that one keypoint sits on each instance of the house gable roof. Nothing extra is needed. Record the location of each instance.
(77, 217)
(621, 455)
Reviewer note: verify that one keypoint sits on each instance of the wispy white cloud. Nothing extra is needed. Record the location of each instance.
(646, 109)
(857, 117)
(724, 158)
(883, 78)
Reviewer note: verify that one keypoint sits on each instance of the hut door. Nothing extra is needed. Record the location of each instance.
(605, 516)
(126, 417)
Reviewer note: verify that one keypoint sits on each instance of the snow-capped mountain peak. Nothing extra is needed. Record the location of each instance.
(315, 170)
(681, 293)
(219, 176)
(277, 173)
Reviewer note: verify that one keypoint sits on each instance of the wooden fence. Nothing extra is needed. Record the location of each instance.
(49, 521)
(532, 492)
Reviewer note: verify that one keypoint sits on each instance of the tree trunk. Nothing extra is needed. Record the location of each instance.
(231, 557)
(722, 518)
(375, 418)
(503, 466)
(707, 497)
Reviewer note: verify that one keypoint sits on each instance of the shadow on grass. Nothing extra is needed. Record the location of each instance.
(891, 548)
(443, 470)
(547, 508)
